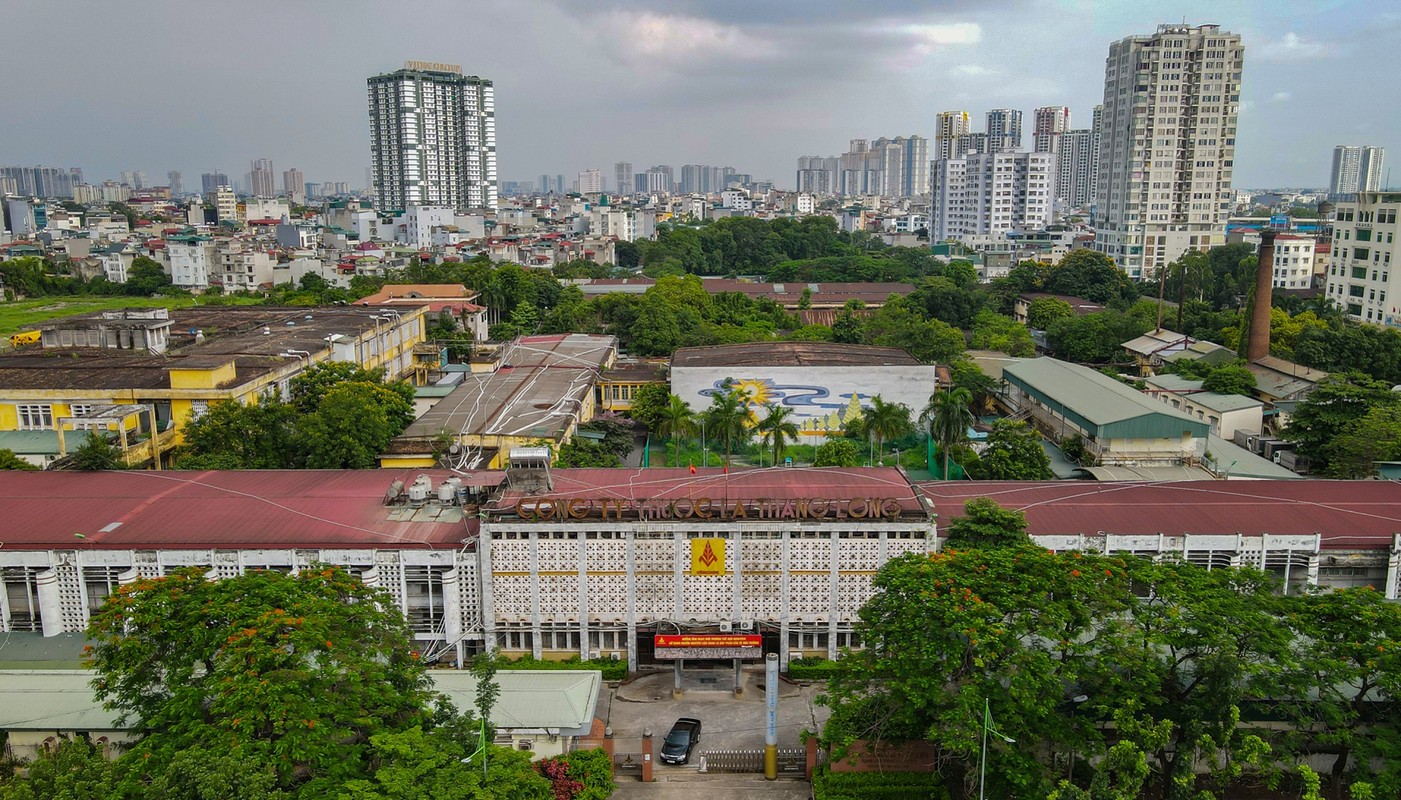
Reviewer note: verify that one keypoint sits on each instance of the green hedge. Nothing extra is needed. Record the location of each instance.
(828, 785)
(811, 668)
(612, 670)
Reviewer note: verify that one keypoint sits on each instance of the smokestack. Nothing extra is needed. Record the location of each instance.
(1259, 343)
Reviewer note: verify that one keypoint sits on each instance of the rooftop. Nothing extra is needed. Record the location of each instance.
(231, 509)
(1096, 399)
(1178, 385)
(1348, 514)
(537, 402)
(792, 354)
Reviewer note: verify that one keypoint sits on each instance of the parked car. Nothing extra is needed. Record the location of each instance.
(685, 734)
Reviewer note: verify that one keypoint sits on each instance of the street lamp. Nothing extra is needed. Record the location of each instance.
(983, 760)
(1075, 703)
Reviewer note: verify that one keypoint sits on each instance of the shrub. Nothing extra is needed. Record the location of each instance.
(612, 670)
(828, 785)
(811, 668)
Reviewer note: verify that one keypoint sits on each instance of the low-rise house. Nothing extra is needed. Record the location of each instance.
(1226, 413)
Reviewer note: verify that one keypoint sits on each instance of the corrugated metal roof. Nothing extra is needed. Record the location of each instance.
(1346, 514)
(791, 354)
(197, 510)
(1097, 402)
(550, 699)
(53, 700)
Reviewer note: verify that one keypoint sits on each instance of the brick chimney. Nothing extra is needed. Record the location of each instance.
(1259, 342)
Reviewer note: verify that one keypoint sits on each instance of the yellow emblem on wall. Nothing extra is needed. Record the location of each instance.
(707, 556)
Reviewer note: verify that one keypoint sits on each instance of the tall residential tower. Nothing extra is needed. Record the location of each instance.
(432, 138)
(1167, 144)
(1356, 169)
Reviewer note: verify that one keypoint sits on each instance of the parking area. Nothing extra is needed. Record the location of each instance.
(729, 722)
(707, 787)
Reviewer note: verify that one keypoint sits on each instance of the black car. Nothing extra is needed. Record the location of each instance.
(685, 734)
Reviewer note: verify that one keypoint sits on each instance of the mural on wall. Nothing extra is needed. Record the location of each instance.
(819, 411)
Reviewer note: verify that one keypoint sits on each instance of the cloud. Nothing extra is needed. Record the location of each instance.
(1280, 97)
(931, 36)
(972, 71)
(677, 40)
(1293, 49)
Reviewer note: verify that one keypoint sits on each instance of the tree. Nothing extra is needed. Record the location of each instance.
(97, 453)
(1230, 379)
(1092, 275)
(145, 277)
(837, 453)
(648, 403)
(985, 524)
(74, 770)
(1017, 628)
(1334, 405)
(231, 435)
(992, 331)
(676, 420)
(1349, 665)
(727, 418)
(886, 421)
(586, 453)
(777, 429)
(8, 460)
(1013, 453)
(308, 388)
(1376, 437)
(948, 419)
(352, 425)
(255, 666)
(1043, 311)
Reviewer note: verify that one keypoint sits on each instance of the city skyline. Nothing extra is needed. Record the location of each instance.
(716, 83)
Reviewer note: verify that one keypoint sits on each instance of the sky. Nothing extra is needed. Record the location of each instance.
(754, 84)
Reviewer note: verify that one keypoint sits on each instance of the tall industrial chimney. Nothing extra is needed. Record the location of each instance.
(1259, 342)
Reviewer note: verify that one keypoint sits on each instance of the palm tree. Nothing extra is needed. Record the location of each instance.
(886, 421)
(778, 428)
(675, 420)
(728, 417)
(948, 418)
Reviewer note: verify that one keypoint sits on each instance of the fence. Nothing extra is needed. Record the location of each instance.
(790, 762)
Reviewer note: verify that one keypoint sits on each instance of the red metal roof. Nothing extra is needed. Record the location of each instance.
(233, 509)
(782, 483)
(1346, 514)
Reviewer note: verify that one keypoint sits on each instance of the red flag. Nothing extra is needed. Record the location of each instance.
(693, 469)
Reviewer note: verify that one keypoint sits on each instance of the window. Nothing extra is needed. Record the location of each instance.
(35, 417)
(80, 409)
(198, 408)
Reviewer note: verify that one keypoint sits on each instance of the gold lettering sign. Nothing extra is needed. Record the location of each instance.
(433, 66)
(706, 508)
(707, 556)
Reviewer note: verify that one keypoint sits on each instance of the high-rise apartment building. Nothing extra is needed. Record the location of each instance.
(176, 182)
(261, 182)
(42, 181)
(818, 174)
(1076, 164)
(1167, 144)
(590, 181)
(210, 181)
(1004, 129)
(1366, 245)
(622, 177)
(1049, 123)
(432, 138)
(986, 195)
(1356, 169)
(948, 128)
(293, 182)
(896, 167)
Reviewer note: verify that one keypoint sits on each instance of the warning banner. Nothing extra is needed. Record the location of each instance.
(708, 640)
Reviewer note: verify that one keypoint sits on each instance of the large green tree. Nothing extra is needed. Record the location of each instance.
(885, 422)
(1013, 453)
(837, 453)
(291, 674)
(777, 429)
(1373, 438)
(352, 425)
(727, 419)
(231, 435)
(1335, 405)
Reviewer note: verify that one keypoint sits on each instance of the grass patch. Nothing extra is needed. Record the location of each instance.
(811, 668)
(16, 315)
(828, 785)
(612, 670)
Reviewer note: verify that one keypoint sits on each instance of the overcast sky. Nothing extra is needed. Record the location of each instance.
(753, 84)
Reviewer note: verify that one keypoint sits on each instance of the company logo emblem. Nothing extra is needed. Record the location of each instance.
(707, 556)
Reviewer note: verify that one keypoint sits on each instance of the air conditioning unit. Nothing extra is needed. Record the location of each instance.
(726, 627)
(615, 656)
(593, 654)
(746, 625)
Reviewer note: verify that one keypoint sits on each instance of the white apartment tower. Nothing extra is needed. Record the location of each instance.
(432, 138)
(1360, 280)
(1356, 169)
(590, 181)
(260, 179)
(1167, 144)
(622, 176)
(950, 126)
(989, 194)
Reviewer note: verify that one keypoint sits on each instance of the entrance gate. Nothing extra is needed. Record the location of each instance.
(790, 762)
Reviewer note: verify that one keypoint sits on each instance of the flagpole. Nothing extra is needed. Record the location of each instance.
(983, 762)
